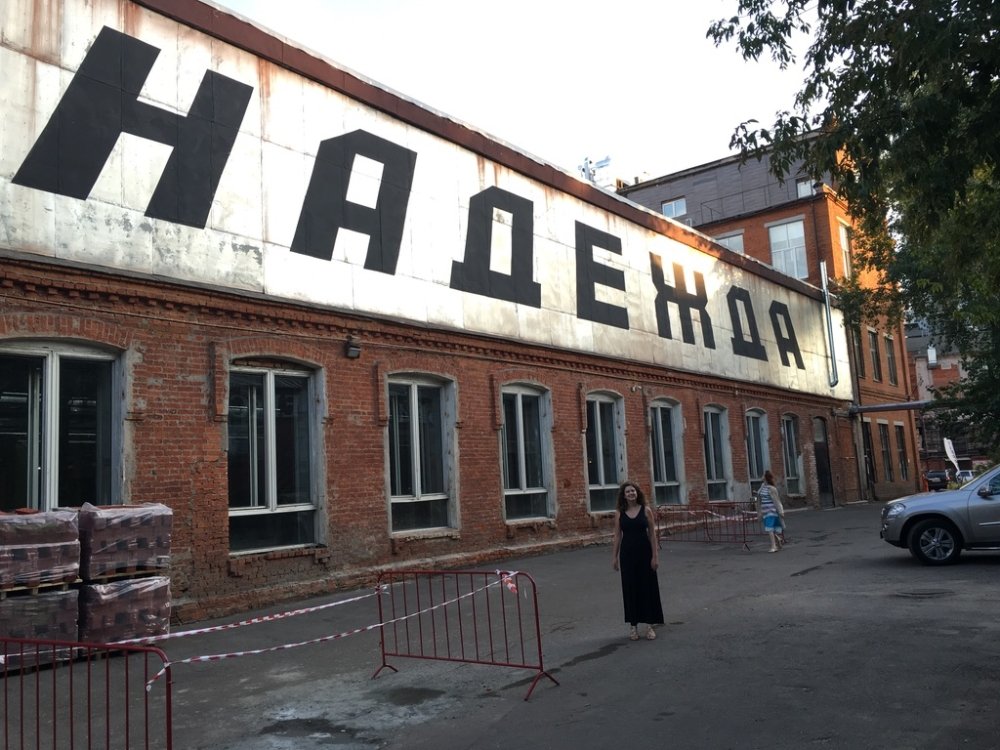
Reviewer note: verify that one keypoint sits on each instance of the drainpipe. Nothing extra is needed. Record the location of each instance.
(834, 377)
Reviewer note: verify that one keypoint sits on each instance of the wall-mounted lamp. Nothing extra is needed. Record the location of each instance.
(352, 349)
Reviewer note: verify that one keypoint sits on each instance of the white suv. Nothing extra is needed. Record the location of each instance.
(937, 526)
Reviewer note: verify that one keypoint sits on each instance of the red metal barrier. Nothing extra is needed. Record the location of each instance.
(67, 695)
(477, 617)
(714, 522)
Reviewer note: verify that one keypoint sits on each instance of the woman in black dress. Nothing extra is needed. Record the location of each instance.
(635, 554)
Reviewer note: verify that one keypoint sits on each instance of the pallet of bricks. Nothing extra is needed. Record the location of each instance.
(93, 574)
(39, 565)
(124, 561)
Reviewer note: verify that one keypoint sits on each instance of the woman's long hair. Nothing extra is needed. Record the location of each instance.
(639, 497)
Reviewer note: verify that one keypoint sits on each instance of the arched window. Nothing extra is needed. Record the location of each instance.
(525, 450)
(421, 452)
(605, 449)
(792, 453)
(60, 426)
(718, 462)
(272, 433)
(667, 447)
(758, 460)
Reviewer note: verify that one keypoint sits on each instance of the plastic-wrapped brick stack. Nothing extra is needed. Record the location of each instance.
(124, 542)
(123, 610)
(37, 552)
(38, 548)
(119, 539)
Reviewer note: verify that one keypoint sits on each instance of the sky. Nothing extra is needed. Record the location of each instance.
(563, 80)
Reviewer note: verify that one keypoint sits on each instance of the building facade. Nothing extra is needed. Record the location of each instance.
(336, 332)
(794, 226)
(934, 366)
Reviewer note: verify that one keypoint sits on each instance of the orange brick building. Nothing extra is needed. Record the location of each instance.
(795, 226)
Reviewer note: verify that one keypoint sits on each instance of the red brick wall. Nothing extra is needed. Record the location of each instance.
(177, 344)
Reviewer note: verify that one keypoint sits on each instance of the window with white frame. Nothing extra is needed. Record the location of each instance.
(788, 248)
(757, 458)
(883, 437)
(421, 427)
(605, 450)
(873, 349)
(272, 495)
(718, 462)
(803, 187)
(845, 248)
(733, 242)
(904, 461)
(524, 447)
(667, 446)
(890, 360)
(60, 427)
(674, 208)
(792, 454)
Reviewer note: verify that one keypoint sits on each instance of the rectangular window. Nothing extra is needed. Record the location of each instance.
(525, 495)
(883, 438)
(873, 349)
(756, 449)
(56, 431)
(270, 460)
(859, 356)
(866, 436)
(845, 250)
(890, 360)
(733, 242)
(604, 460)
(715, 457)
(666, 486)
(417, 470)
(904, 463)
(803, 187)
(674, 208)
(792, 454)
(788, 249)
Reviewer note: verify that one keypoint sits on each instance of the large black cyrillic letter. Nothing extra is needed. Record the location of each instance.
(752, 348)
(786, 343)
(102, 102)
(589, 273)
(474, 274)
(685, 302)
(326, 209)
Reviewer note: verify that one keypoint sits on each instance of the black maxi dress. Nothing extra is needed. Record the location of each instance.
(640, 585)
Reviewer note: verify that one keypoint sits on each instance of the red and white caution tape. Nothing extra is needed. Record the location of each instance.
(506, 578)
(242, 623)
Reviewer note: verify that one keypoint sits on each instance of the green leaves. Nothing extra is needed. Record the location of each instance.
(901, 105)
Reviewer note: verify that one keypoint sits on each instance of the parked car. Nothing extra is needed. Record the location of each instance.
(964, 476)
(937, 479)
(937, 526)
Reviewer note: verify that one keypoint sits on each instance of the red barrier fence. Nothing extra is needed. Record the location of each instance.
(67, 695)
(477, 617)
(713, 522)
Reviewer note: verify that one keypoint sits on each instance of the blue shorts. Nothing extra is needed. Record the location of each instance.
(772, 523)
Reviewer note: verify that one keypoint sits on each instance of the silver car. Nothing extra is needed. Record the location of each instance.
(937, 526)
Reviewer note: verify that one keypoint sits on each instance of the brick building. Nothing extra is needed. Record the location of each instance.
(794, 226)
(335, 331)
(934, 365)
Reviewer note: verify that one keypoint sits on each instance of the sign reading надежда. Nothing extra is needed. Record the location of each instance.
(161, 153)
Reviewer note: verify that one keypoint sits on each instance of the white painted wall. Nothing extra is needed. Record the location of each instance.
(246, 243)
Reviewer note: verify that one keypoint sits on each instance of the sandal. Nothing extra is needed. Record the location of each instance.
(633, 634)
(650, 634)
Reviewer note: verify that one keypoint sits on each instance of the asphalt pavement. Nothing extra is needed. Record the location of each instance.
(837, 641)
